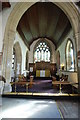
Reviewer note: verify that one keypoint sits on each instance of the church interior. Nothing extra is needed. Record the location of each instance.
(40, 59)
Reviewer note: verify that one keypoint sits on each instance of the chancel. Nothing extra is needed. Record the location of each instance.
(39, 56)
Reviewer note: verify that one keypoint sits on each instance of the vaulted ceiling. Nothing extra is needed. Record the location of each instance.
(43, 20)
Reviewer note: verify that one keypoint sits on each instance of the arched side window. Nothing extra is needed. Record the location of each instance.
(13, 59)
(69, 56)
(42, 52)
(13, 73)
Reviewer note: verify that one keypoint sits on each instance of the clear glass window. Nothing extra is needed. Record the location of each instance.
(70, 56)
(13, 58)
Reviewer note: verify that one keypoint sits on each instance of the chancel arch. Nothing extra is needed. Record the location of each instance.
(10, 30)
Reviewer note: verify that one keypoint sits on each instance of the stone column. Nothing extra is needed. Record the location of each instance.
(1, 54)
(77, 37)
(1, 41)
(7, 59)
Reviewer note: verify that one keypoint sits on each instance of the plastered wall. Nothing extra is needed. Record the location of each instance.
(63, 46)
(72, 76)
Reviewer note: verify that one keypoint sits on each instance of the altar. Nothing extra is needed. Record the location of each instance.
(42, 69)
(43, 73)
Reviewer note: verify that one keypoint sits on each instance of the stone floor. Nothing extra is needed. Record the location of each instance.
(29, 108)
(69, 108)
(36, 108)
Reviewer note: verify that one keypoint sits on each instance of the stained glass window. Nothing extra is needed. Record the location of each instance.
(42, 52)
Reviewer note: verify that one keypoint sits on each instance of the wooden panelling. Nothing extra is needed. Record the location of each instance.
(43, 66)
(53, 68)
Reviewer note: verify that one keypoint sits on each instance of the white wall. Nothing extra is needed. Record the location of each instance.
(32, 49)
(72, 76)
(24, 49)
(1, 42)
(62, 48)
(4, 14)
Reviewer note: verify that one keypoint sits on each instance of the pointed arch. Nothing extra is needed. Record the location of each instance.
(67, 7)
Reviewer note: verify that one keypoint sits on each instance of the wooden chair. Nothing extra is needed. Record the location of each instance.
(54, 79)
(21, 78)
(64, 77)
(2, 84)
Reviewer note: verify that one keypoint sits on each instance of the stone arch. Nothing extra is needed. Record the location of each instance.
(18, 55)
(68, 8)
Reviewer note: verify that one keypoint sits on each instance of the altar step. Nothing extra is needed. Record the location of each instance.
(41, 95)
(42, 78)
